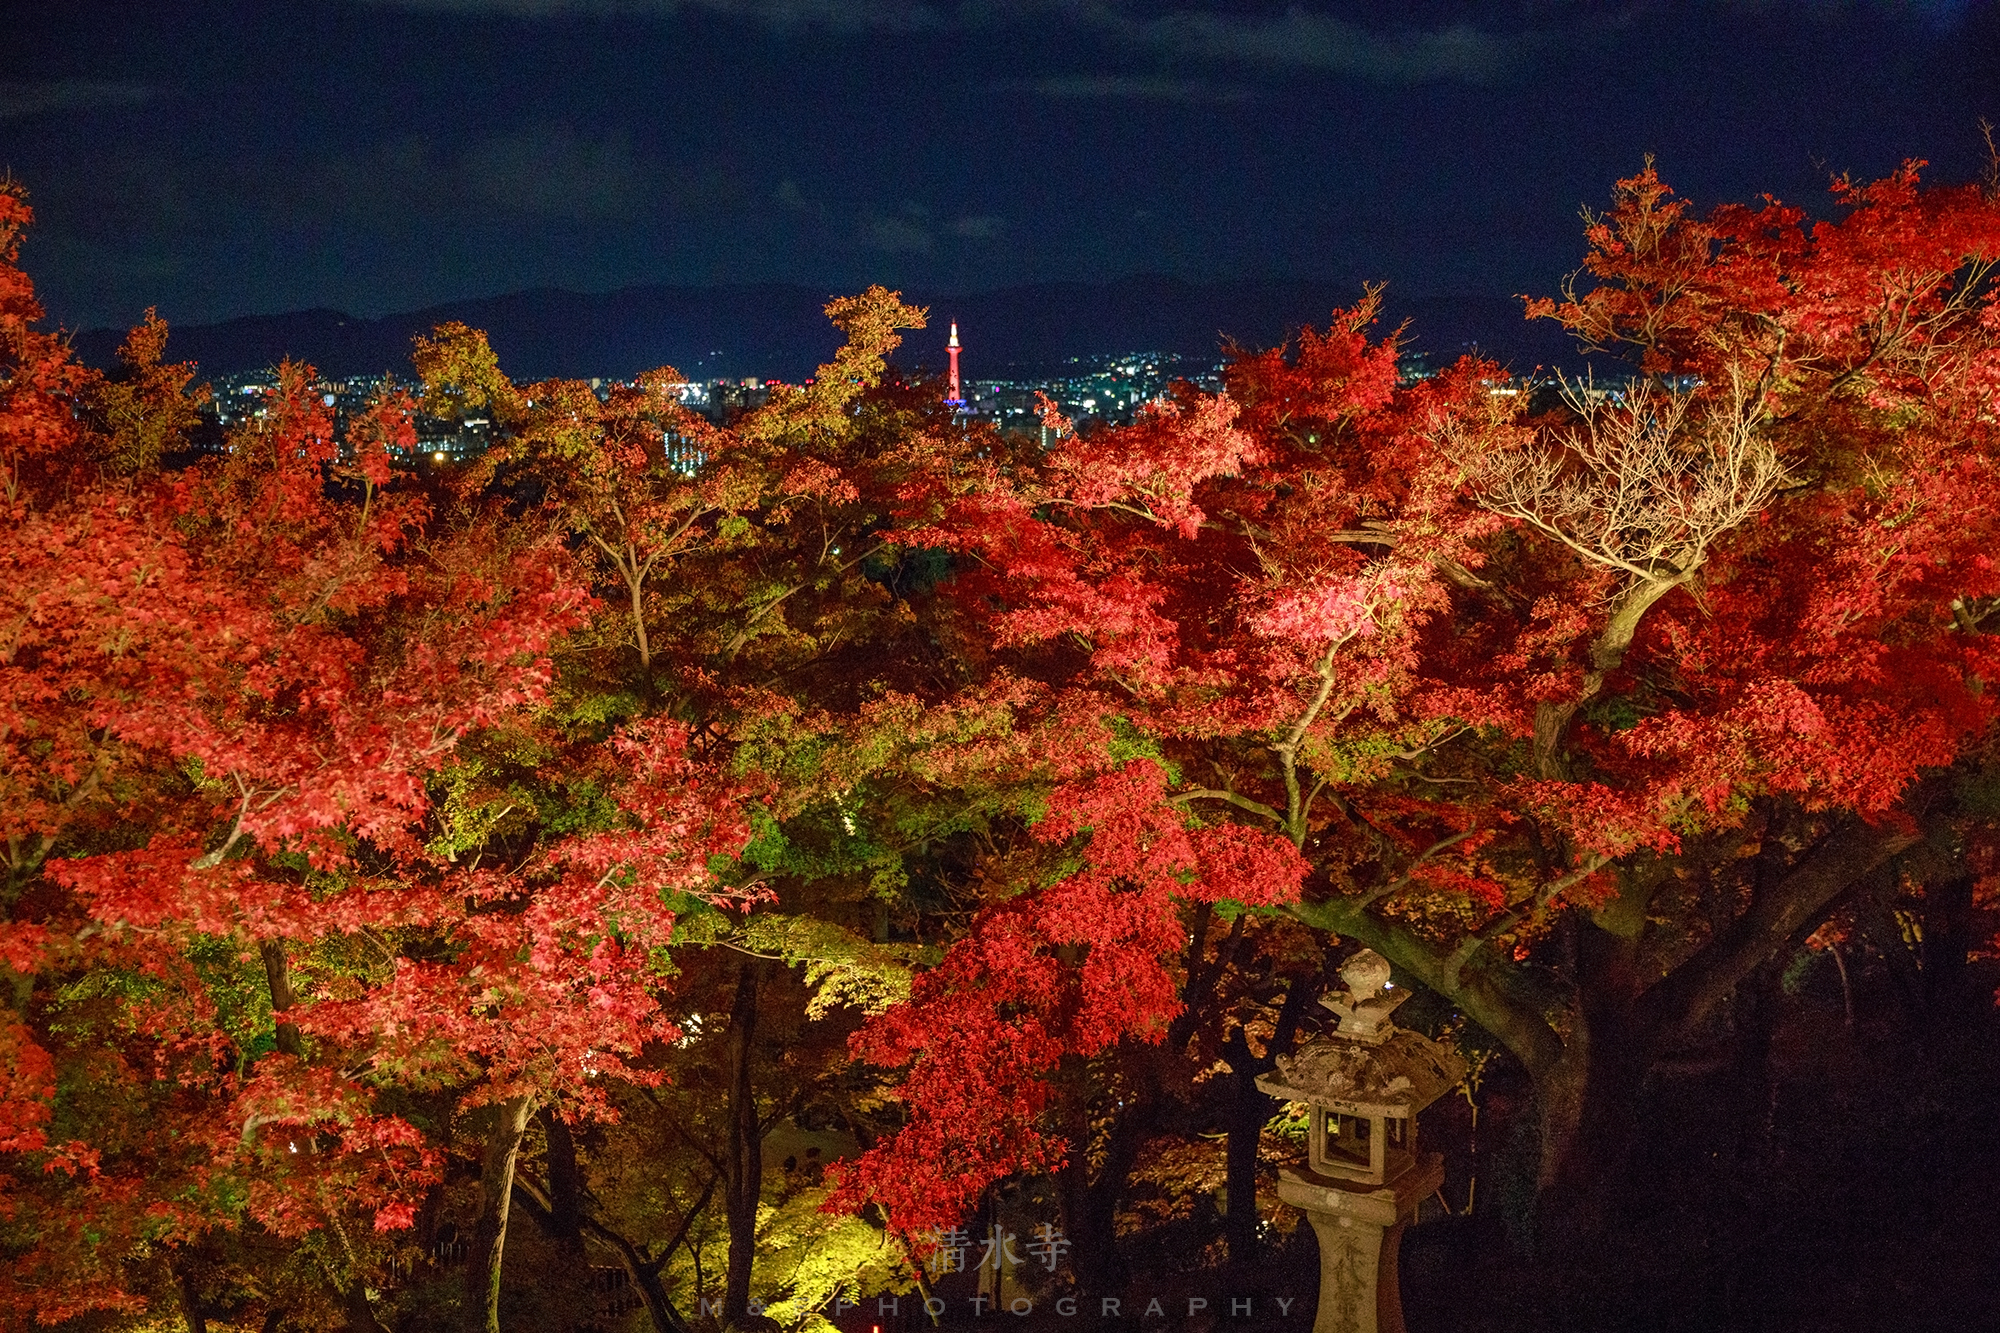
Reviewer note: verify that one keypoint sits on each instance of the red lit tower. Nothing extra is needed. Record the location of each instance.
(953, 396)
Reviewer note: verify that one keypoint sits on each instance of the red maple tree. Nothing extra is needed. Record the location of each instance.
(236, 691)
(1578, 715)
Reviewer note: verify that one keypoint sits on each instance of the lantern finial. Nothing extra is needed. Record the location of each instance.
(1370, 997)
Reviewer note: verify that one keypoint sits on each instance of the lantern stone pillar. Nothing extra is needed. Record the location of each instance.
(1363, 1177)
(1359, 1233)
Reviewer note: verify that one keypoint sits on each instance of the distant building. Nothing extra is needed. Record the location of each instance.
(731, 398)
(954, 395)
(1100, 390)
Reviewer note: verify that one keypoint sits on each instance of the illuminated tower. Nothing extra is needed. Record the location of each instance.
(953, 396)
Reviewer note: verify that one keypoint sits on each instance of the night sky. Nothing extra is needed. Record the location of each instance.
(227, 159)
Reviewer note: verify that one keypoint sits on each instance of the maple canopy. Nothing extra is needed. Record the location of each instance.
(1444, 674)
(237, 811)
(391, 845)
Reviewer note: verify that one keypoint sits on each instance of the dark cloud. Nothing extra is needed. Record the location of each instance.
(1297, 37)
(906, 232)
(379, 155)
(894, 15)
(21, 99)
(979, 228)
(554, 172)
(794, 200)
(1301, 39)
(1125, 87)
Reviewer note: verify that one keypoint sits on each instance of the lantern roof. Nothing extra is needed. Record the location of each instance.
(1396, 1077)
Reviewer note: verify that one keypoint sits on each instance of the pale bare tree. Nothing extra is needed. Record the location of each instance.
(1644, 484)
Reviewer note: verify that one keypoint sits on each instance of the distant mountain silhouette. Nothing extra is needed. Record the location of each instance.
(779, 331)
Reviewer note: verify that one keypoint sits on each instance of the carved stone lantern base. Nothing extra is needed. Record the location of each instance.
(1360, 1229)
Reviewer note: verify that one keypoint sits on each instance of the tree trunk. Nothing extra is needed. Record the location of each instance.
(565, 1183)
(646, 1278)
(565, 1220)
(1948, 941)
(1754, 1017)
(635, 583)
(1073, 1177)
(1092, 1205)
(1589, 1115)
(360, 1314)
(1100, 1266)
(278, 976)
(744, 1176)
(1589, 1068)
(1551, 730)
(1589, 1099)
(496, 1192)
(1248, 1110)
(644, 1274)
(184, 1286)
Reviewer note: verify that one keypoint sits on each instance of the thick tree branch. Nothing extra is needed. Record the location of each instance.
(1847, 855)
(1517, 1024)
(1236, 799)
(278, 977)
(643, 1273)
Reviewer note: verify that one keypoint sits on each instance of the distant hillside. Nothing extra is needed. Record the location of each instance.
(776, 330)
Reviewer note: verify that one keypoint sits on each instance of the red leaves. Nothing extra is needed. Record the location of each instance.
(1300, 601)
(1337, 377)
(1865, 304)
(1069, 969)
(143, 889)
(1153, 466)
(1601, 819)
(39, 382)
(1332, 611)
(1254, 640)
(229, 698)
(1136, 838)
(27, 1086)
(313, 1152)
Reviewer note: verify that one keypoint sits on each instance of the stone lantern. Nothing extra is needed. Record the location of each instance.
(1363, 1177)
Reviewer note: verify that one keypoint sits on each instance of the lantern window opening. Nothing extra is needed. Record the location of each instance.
(1346, 1145)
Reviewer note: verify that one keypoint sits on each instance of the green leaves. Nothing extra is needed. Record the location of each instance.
(841, 967)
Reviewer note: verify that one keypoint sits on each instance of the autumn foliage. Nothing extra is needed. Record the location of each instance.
(375, 830)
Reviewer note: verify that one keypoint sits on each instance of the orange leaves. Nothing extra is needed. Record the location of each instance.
(150, 408)
(814, 480)
(461, 373)
(803, 416)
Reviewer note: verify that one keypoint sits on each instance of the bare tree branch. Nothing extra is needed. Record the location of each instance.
(1644, 485)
